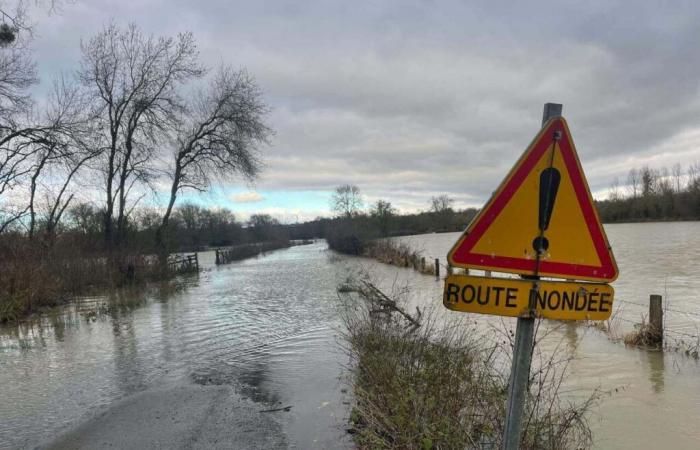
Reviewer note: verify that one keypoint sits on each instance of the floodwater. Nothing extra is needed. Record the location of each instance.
(269, 327)
(652, 398)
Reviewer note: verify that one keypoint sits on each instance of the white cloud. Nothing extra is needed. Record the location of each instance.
(247, 197)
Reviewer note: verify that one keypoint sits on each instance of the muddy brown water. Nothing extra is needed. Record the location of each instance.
(653, 398)
(269, 327)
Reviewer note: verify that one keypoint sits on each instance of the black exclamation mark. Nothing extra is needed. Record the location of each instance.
(549, 185)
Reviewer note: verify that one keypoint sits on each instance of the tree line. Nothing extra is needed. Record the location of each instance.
(355, 222)
(654, 194)
(191, 228)
(140, 114)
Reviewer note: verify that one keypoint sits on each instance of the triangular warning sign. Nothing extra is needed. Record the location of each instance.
(541, 220)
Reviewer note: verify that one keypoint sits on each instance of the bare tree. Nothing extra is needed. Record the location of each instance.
(133, 81)
(694, 176)
(382, 212)
(441, 204)
(664, 184)
(677, 172)
(649, 180)
(615, 190)
(219, 135)
(441, 207)
(633, 180)
(346, 200)
(62, 146)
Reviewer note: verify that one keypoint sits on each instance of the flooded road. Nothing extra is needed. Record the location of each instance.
(268, 328)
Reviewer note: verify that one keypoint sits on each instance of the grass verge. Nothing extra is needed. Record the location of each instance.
(421, 383)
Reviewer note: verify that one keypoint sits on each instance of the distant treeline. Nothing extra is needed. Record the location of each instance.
(654, 194)
(190, 228)
(354, 226)
(396, 225)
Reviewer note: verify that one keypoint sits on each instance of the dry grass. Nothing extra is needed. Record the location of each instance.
(401, 255)
(444, 386)
(644, 335)
(33, 276)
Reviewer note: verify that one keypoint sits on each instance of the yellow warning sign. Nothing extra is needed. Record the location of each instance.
(543, 206)
(557, 300)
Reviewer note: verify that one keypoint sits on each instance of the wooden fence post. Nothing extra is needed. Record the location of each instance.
(656, 316)
(422, 264)
(437, 268)
(449, 269)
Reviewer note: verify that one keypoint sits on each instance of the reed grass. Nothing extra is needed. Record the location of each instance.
(397, 254)
(444, 385)
(33, 276)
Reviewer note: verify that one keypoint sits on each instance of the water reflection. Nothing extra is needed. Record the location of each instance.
(267, 325)
(130, 375)
(657, 368)
(234, 325)
(572, 338)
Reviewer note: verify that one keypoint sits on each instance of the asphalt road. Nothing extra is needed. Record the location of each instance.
(181, 417)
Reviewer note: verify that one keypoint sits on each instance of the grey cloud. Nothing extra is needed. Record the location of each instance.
(410, 99)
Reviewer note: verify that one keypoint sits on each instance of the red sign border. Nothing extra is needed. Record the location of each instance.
(461, 256)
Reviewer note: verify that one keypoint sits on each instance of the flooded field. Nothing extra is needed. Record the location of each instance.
(269, 327)
(654, 397)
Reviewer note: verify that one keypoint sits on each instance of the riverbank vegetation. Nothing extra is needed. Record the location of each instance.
(139, 118)
(356, 223)
(654, 194)
(647, 195)
(423, 384)
(35, 273)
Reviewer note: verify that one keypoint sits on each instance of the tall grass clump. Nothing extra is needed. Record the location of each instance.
(33, 276)
(422, 383)
(349, 238)
(644, 335)
(397, 254)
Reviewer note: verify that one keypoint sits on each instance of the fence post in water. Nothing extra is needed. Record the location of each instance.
(656, 317)
(196, 261)
(449, 269)
(437, 268)
(422, 264)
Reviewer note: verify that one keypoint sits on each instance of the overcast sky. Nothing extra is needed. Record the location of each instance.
(413, 99)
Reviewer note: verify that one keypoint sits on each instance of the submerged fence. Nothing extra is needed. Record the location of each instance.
(183, 263)
(227, 255)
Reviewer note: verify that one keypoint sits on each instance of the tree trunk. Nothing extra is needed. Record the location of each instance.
(160, 232)
(108, 222)
(32, 197)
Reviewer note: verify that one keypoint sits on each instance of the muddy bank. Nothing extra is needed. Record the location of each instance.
(179, 417)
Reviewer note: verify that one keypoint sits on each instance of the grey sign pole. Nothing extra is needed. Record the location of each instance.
(522, 350)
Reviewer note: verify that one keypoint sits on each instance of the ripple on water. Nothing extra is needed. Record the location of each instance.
(251, 324)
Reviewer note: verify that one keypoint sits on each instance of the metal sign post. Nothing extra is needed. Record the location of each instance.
(526, 228)
(522, 350)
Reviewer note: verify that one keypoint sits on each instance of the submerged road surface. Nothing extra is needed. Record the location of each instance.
(190, 367)
(183, 417)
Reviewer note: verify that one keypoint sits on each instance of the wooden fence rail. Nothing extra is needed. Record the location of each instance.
(184, 263)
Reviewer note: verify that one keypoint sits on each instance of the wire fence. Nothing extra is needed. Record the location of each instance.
(443, 264)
